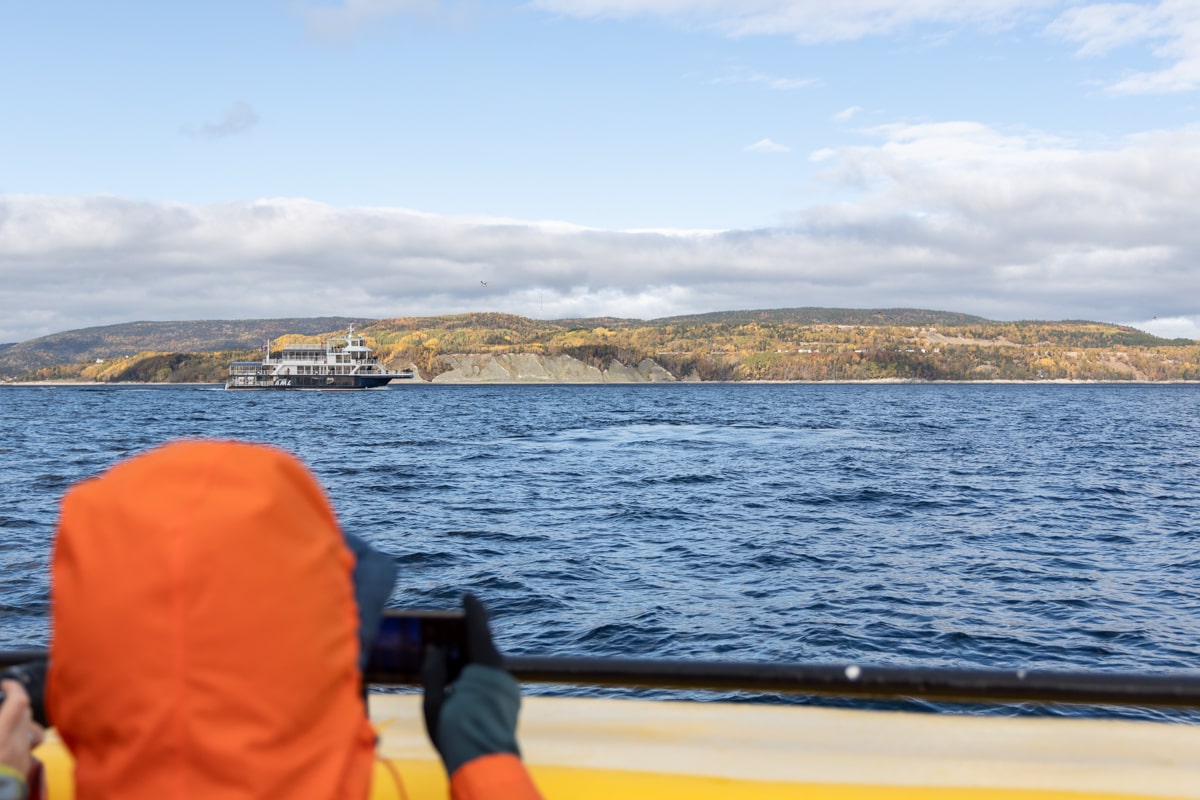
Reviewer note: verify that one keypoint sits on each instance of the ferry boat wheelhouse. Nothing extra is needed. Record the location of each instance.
(343, 362)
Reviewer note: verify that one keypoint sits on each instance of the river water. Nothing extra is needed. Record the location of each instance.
(992, 526)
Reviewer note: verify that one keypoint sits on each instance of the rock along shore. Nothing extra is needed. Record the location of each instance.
(532, 368)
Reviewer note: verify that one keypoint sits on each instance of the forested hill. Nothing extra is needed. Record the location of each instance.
(130, 338)
(202, 336)
(810, 344)
(828, 316)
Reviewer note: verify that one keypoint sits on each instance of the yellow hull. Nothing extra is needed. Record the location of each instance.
(605, 748)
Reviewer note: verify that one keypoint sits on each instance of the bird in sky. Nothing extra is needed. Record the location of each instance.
(483, 283)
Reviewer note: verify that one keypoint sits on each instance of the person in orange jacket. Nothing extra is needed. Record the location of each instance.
(209, 639)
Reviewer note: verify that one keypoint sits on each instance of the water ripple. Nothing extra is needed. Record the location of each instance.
(1048, 527)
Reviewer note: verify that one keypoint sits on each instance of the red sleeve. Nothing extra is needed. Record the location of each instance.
(499, 776)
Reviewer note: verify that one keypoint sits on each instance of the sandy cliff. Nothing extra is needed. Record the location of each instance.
(530, 368)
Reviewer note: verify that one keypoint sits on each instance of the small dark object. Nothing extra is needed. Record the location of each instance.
(404, 637)
(32, 676)
(442, 665)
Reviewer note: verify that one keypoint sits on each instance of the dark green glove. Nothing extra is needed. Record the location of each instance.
(476, 715)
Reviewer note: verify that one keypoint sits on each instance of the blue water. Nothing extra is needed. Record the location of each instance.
(993, 526)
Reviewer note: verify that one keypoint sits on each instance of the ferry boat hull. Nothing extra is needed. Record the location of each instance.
(325, 382)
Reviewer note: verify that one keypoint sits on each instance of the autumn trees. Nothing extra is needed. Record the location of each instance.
(774, 345)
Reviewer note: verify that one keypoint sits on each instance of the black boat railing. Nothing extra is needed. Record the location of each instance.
(837, 680)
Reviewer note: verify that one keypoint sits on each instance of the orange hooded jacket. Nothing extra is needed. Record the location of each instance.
(205, 633)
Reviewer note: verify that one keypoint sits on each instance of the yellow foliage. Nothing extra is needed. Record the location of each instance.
(115, 366)
(293, 338)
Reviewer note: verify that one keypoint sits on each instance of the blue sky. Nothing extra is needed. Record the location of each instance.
(1015, 159)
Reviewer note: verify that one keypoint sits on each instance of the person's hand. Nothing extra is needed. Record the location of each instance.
(19, 734)
(476, 715)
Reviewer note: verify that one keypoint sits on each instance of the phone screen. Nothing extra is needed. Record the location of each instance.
(403, 636)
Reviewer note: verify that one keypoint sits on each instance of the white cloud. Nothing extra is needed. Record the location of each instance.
(743, 75)
(1032, 219)
(1171, 327)
(1008, 224)
(847, 114)
(346, 17)
(806, 20)
(1103, 27)
(238, 119)
(1171, 26)
(766, 146)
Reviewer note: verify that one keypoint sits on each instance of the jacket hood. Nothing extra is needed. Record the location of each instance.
(205, 632)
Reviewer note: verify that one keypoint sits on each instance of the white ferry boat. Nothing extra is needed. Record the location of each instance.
(343, 362)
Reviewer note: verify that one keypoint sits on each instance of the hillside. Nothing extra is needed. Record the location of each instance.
(827, 316)
(810, 344)
(194, 336)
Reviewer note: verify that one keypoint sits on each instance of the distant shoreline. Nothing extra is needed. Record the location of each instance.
(872, 382)
(102, 383)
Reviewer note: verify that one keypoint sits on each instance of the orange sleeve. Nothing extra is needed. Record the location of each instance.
(499, 776)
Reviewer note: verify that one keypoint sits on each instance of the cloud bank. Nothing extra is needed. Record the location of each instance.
(955, 215)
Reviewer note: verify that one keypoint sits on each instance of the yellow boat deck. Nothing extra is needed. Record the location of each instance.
(609, 748)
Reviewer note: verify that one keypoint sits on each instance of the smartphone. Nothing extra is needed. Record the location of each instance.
(403, 636)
